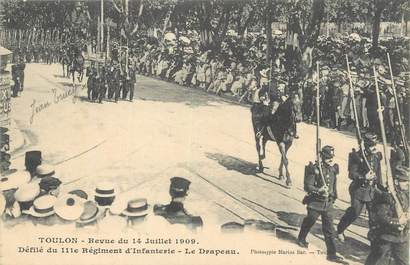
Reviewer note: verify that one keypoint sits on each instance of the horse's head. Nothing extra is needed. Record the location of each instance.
(289, 112)
(296, 107)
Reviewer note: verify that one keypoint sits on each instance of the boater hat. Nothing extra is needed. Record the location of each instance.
(14, 180)
(45, 170)
(136, 208)
(69, 207)
(105, 190)
(27, 192)
(42, 206)
(90, 213)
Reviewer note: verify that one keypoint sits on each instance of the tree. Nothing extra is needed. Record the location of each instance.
(303, 31)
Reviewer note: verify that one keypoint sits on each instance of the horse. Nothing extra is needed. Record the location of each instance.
(77, 65)
(279, 127)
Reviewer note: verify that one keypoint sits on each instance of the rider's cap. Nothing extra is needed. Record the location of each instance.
(328, 152)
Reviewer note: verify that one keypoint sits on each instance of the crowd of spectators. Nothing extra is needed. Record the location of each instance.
(236, 69)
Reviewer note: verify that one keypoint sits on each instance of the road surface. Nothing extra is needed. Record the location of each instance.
(169, 130)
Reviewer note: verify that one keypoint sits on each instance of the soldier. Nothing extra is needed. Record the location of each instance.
(132, 81)
(16, 78)
(90, 73)
(319, 200)
(363, 186)
(397, 154)
(103, 84)
(175, 211)
(389, 233)
(21, 67)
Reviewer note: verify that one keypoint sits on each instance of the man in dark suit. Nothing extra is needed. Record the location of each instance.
(175, 212)
(319, 201)
(389, 232)
(364, 181)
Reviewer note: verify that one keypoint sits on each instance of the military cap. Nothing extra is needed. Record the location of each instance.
(370, 139)
(179, 186)
(328, 152)
(402, 173)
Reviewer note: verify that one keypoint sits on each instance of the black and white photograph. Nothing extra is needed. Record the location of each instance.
(181, 132)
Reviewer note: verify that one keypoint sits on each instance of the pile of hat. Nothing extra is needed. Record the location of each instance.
(35, 192)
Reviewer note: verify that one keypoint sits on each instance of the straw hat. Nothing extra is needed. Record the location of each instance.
(44, 170)
(89, 214)
(105, 190)
(42, 206)
(27, 192)
(104, 193)
(69, 207)
(136, 208)
(14, 180)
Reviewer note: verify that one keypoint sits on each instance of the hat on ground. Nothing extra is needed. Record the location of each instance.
(80, 193)
(49, 183)
(136, 208)
(104, 193)
(90, 213)
(69, 207)
(402, 173)
(328, 152)
(26, 194)
(179, 187)
(42, 206)
(232, 227)
(14, 180)
(32, 160)
(370, 139)
(45, 170)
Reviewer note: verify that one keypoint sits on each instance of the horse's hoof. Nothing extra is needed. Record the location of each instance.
(259, 169)
(281, 178)
(289, 183)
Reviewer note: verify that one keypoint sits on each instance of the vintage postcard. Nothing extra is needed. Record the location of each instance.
(180, 132)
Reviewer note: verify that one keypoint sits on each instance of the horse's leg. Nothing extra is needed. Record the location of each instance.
(259, 168)
(281, 169)
(283, 148)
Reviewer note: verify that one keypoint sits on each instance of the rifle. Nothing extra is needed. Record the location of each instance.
(401, 125)
(318, 141)
(356, 118)
(389, 183)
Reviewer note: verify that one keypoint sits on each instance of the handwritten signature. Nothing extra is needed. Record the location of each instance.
(37, 107)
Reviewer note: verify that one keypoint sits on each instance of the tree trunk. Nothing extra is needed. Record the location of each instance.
(268, 31)
(376, 28)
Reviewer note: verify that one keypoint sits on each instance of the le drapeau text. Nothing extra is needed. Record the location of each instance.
(126, 246)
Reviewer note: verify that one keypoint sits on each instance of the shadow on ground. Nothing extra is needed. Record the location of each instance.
(153, 89)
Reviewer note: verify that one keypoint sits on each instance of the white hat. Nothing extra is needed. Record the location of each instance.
(14, 180)
(104, 190)
(42, 206)
(69, 207)
(27, 192)
(136, 208)
(89, 214)
(45, 170)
